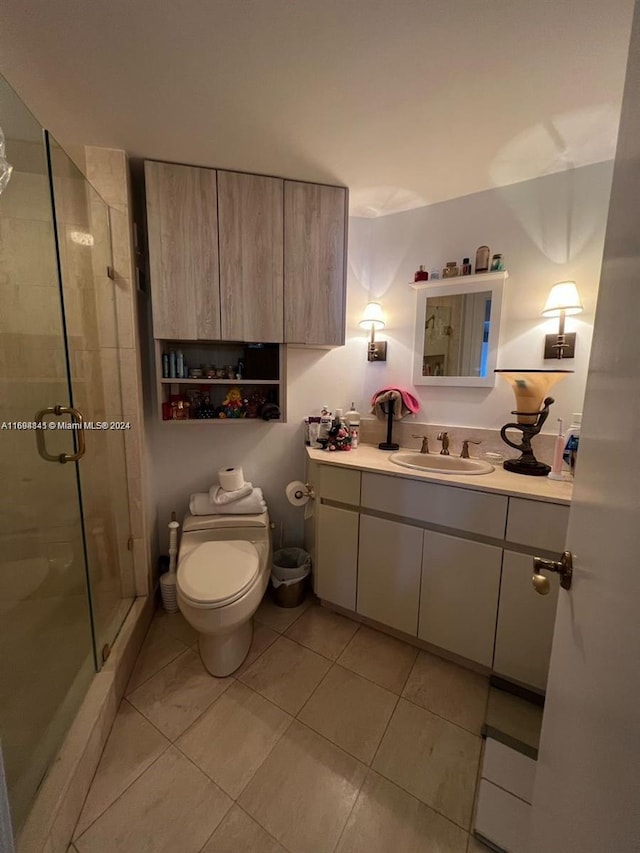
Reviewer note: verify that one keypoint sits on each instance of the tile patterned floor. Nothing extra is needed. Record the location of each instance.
(331, 738)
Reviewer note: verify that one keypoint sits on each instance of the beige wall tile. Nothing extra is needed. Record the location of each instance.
(107, 171)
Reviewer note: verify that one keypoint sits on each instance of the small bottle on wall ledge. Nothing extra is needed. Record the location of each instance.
(482, 259)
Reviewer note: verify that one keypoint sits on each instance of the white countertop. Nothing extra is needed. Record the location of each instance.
(367, 457)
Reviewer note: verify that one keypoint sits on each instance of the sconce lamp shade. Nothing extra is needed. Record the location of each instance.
(372, 317)
(563, 297)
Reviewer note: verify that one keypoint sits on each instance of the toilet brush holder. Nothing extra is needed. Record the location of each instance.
(169, 592)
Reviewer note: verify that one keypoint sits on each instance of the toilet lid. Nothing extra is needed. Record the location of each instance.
(218, 572)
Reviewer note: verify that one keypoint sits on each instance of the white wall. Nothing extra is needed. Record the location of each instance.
(548, 229)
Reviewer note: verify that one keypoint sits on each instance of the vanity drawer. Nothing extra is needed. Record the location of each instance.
(537, 524)
(462, 509)
(340, 484)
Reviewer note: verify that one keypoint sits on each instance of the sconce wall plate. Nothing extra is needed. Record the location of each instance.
(377, 351)
(568, 349)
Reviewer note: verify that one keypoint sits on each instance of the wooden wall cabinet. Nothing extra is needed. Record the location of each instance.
(315, 222)
(250, 211)
(240, 257)
(182, 225)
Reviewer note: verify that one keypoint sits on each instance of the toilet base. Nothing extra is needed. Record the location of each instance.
(222, 654)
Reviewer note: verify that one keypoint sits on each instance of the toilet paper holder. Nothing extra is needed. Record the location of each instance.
(308, 492)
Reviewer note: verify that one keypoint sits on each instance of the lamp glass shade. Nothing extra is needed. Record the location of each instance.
(372, 316)
(563, 296)
(530, 388)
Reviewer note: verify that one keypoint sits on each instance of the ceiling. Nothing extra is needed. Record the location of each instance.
(407, 102)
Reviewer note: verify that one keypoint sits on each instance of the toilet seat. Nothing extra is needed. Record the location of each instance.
(217, 573)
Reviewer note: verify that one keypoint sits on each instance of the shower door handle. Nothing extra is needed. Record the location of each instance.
(77, 420)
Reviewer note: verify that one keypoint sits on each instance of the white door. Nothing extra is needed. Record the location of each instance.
(587, 792)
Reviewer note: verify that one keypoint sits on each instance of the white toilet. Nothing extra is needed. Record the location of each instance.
(224, 564)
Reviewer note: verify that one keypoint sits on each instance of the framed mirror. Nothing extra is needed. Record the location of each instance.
(458, 330)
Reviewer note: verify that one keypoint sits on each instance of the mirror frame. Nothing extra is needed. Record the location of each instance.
(480, 283)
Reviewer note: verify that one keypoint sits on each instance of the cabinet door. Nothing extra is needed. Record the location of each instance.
(389, 559)
(459, 595)
(525, 623)
(182, 224)
(251, 223)
(314, 263)
(337, 551)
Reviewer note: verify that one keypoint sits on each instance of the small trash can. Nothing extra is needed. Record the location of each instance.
(290, 572)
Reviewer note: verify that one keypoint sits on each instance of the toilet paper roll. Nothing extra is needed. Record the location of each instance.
(231, 479)
(297, 493)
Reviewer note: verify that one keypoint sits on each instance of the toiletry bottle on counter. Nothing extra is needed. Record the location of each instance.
(556, 468)
(325, 422)
(572, 442)
(353, 421)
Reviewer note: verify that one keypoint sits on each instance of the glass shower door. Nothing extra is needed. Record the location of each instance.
(90, 297)
(46, 650)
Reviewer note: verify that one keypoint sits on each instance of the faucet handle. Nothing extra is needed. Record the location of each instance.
(425, 442)
(465, 447)
(444, 438)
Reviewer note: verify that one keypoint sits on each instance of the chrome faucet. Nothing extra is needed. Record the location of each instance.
(464, 454)
(444, 438)
(425, 442)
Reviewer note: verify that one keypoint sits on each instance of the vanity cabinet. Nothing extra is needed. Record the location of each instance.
(459, 595)
(315, 239)
(250, 212)
(524, 633)
(335, 573)
(182, 226)
(449, 565)
(389, 568)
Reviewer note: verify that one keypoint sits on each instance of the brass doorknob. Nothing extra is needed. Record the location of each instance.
(563, 567)
(541, 583)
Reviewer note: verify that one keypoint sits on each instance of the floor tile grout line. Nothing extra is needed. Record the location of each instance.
(440, 717)
(428, 805)
(164, 749)
(122, 793)
(286, 849)
(313, 692)
(235, 799)
(128, 692)
(391, 716)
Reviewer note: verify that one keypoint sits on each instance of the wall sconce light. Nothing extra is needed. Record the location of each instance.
(563, 300)
(373, 319)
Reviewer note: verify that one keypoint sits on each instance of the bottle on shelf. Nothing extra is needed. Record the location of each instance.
(179, 365)
(172, 365)
(497, 263)
(421, 274)
(435, 275)
(482, 259)
(451, 270)
(165, 365)
(466, 267)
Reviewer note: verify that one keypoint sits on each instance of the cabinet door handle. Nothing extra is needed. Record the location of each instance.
(78, 421)
(563, 567)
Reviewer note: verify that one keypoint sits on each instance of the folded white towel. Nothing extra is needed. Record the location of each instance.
(218, 495)
(253, 504)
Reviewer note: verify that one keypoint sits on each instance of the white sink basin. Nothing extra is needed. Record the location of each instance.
(440, 464)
